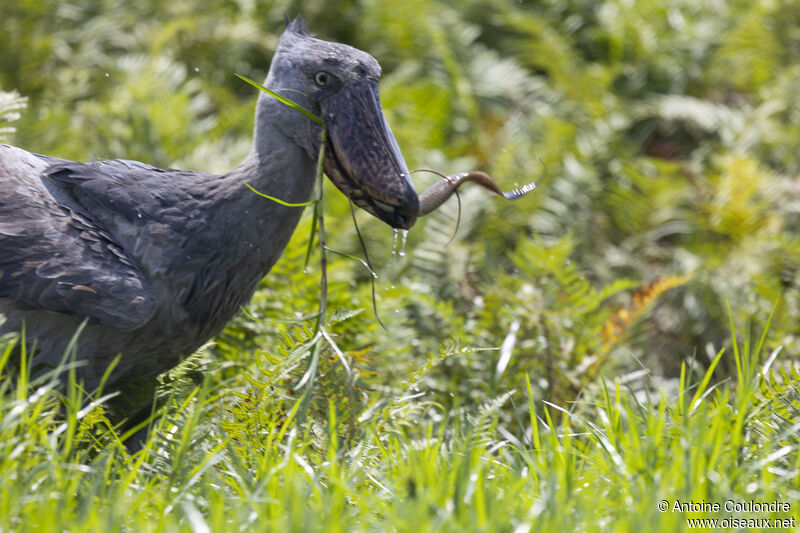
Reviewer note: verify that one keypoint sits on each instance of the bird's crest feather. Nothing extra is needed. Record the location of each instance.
(297, 26)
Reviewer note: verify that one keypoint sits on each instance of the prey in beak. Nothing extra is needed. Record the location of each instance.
(363, 160)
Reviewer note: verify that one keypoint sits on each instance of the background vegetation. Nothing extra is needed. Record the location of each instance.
(543, 364)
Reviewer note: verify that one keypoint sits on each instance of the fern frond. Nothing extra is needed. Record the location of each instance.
(641, 299)
(11, 103)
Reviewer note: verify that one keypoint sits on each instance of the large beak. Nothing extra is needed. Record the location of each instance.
(362, 158)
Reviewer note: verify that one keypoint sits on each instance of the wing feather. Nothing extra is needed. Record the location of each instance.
(55, 255)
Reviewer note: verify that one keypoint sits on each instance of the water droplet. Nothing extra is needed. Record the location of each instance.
(397, 310)
(394, 241)
(108, 75)
(196, 69)
(404, 235)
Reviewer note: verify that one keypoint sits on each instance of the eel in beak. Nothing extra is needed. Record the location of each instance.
(363, 160)
(444, 189)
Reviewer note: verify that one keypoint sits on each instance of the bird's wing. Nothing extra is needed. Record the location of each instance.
(54, 255)
(115, 188)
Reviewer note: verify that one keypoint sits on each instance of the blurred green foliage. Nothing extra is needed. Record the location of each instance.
(668, 133)
(664, 140)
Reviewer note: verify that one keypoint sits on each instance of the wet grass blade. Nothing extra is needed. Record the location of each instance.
(278, 200)
(283, 100)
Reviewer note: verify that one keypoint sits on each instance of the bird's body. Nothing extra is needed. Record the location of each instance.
(155, 261)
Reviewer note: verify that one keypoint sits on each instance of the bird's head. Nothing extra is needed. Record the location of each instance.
(339, 84)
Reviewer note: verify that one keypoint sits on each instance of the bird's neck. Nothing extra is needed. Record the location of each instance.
(258, 228)
(280, 164)
(277, 167)
(250, 231)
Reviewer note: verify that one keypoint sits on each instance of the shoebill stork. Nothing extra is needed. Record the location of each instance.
(157, 261)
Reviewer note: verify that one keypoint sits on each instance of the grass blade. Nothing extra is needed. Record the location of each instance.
(282, 99)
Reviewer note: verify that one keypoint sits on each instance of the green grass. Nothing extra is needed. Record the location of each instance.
(669, 132)
(234, 454)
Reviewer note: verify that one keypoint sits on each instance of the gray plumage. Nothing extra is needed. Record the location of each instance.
(158, 261)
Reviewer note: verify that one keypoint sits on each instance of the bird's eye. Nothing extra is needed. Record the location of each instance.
(322, 78)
